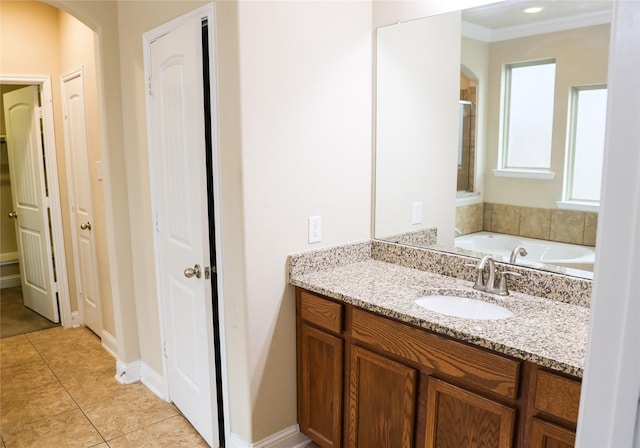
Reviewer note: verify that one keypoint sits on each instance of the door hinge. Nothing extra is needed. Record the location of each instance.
(157, 224)
(38, 112)
(164, 349)
(149, 86)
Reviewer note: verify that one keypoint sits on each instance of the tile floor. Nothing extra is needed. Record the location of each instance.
(57, 389)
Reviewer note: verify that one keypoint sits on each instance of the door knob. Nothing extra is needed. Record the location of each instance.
(13, 215)
(86, 226)
(195, 270)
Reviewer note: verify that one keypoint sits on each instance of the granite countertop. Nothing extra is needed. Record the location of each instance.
(543, 331)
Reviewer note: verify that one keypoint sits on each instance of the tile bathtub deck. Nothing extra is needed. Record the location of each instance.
(57, 388)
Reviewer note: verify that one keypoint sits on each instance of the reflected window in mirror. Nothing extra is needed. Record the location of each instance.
(527, 115)
(585, 147)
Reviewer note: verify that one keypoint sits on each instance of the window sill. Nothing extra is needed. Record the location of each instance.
(578, 206)
(524, 174)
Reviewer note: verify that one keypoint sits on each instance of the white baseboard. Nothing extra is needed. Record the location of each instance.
(127, 373)
(76, 319)
(287, 438)
(154, 382)
(10, 281)
(109, 343)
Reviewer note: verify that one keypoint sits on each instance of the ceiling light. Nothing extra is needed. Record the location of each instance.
(533, 10)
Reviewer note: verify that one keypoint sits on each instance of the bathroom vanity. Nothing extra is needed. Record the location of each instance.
(376, 370)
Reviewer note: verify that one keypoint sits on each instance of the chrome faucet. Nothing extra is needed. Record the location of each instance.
(518, 250)
(490, 285)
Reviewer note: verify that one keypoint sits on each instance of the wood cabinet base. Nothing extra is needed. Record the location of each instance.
(367, 381)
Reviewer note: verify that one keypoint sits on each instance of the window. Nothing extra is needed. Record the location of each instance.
(527, 116)
(585, 144)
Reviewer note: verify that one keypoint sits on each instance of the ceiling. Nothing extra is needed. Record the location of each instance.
(506, 20)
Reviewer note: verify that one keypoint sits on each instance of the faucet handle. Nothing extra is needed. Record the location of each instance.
(503, 287)
(479, 279)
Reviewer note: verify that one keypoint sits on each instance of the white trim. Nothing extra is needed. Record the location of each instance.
(76, 319)
(287, 438)
(10, 281)
(44, 81)
(154, 381)
(523, 173)
(578, 206)
(485, 34)
(611, 384)
(208, 11)
(129, 372)
(109, 343)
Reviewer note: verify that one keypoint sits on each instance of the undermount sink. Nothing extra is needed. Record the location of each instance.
(464, 307)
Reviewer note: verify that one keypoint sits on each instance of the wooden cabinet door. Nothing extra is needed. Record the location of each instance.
(459, 418)
(382, 402)
(321, 372)
(548, 435)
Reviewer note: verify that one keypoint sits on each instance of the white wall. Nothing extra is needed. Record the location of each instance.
(418, 87)
(305, 84)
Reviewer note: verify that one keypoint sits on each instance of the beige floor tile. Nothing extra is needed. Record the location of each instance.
(25, 376)
(100, 385)
(17, 350)
(80, 364)
(63, 341)
(34, 404)
(70, 430)
(125, 413)
(173, 432)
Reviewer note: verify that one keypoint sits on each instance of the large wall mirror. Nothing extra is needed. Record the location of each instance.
(490, 131)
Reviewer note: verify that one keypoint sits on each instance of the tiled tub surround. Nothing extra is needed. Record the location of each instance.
(548, 328)
(564, 226)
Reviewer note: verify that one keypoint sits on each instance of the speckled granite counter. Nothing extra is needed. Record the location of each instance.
(544, 331)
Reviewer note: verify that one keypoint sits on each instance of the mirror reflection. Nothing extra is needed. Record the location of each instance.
(490, 132)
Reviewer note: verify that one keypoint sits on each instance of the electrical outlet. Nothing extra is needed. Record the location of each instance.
(416, 215)
(315, 229)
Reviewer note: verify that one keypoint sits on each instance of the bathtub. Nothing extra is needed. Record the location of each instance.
(541, 254)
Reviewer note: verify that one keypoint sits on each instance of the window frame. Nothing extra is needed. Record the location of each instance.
(568, 199)
(504, 170)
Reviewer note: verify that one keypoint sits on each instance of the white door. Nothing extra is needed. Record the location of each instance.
(30, 201)
(76, 151)
(177, 148)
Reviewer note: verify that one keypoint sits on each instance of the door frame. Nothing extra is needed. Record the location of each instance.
(51, 169)
(208, 12)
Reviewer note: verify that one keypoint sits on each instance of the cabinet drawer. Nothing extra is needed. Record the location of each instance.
(473, 366)
(321, 312)
(557, 395)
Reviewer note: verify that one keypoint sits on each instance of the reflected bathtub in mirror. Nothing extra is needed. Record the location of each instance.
(564, 258)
